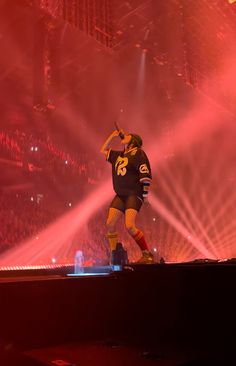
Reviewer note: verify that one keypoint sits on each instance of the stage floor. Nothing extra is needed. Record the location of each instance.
(172, 306)
(28, 273)
(106, 353)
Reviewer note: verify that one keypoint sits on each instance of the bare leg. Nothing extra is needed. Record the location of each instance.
(137, 235)
(112, 218)
(130, 219)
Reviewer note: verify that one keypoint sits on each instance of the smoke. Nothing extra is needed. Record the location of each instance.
(56, 240)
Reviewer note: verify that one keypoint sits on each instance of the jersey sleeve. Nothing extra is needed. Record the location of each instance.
(112, 155)
(144, 167)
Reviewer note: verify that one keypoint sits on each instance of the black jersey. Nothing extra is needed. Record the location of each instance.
(128, 171)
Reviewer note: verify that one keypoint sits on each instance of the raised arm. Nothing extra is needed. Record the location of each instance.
(104, 149)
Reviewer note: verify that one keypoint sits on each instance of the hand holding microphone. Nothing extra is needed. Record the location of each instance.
(120, 133)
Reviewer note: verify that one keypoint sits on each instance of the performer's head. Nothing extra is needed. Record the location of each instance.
(132, 140)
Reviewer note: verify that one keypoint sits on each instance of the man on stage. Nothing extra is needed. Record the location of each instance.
(131, 174)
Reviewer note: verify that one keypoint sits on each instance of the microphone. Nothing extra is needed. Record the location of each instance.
(121, 135)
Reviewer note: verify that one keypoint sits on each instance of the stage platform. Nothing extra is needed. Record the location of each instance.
(185, 307)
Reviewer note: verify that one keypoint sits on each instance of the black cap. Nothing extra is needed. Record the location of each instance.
(136, 140)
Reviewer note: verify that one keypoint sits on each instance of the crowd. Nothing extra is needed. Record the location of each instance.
(38, 152)
(21, 218)
(56, 178)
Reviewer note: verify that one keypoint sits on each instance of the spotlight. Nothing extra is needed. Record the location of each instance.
(155, 249)
(51, 106)
(66, 162)
(53, 260)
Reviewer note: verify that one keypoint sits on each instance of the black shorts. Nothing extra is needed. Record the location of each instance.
(122, 203)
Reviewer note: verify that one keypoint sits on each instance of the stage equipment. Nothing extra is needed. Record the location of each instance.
(94, 17)
(119, 256)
